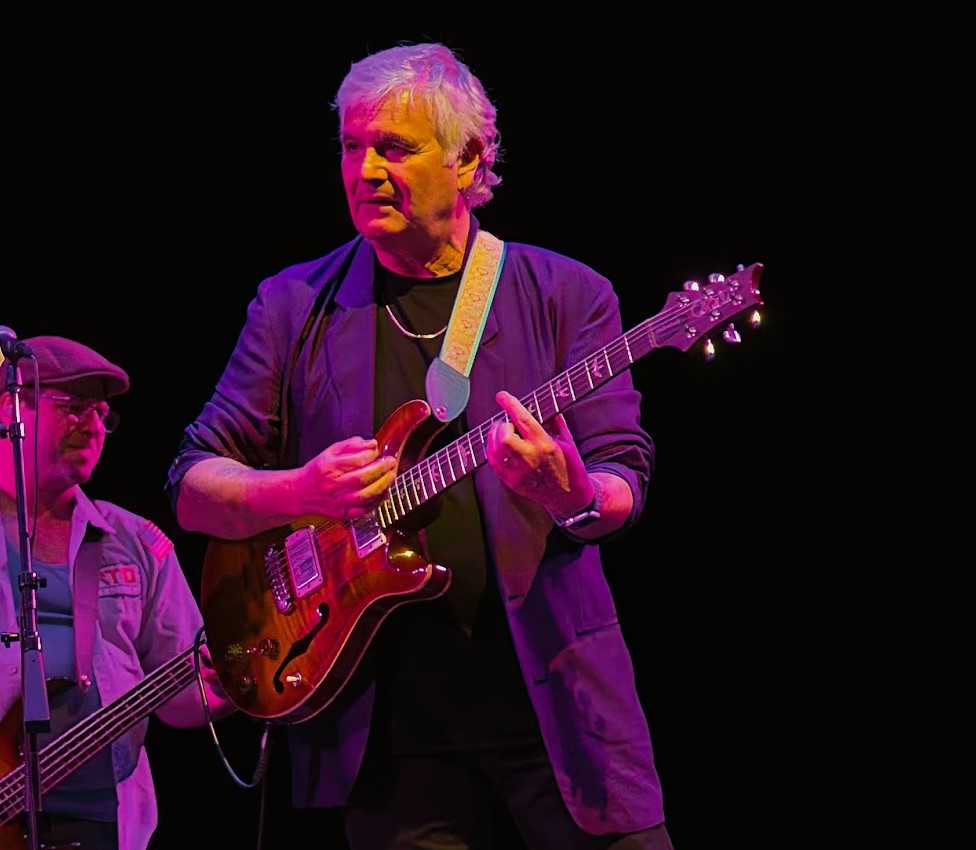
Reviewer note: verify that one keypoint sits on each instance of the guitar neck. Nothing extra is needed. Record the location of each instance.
(437, 472)
(687, 317)
(76, 747)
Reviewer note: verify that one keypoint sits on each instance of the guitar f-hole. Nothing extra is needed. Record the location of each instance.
(299, 648)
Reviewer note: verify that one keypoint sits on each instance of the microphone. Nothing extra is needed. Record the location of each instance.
(10, 347)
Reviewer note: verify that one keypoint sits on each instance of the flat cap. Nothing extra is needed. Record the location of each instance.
(61, 361)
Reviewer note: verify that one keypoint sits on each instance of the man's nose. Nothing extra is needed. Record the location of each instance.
(374, 166)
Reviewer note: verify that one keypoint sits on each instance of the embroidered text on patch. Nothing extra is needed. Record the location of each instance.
(152, 535)
(119, 580)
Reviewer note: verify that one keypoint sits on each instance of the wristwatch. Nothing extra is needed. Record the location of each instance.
(589, 514)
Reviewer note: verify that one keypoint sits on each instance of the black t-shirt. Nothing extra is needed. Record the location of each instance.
(453, 677)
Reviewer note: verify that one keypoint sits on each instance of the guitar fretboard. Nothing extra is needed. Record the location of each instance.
(687, 317)
(78, 745)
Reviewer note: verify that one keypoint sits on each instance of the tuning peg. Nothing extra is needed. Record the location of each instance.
(755, 319)
(709, 349)
(731, 335)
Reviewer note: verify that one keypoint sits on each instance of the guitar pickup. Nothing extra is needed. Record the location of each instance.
(368, 534)
(302, 552)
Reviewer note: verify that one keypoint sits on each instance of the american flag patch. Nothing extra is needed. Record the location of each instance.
(159, 544)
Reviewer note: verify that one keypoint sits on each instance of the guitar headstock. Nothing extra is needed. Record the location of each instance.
(700, 308)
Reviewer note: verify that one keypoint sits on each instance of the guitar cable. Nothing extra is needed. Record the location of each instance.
(264, 753)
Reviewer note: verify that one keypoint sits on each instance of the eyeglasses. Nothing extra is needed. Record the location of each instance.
(79, 408)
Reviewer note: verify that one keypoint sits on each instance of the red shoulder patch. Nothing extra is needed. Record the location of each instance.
(159, 544)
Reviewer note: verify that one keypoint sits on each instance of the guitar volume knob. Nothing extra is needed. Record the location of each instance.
(234, 653)
(270, 648)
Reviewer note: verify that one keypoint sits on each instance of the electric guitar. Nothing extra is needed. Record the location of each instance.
(289, 612)
(78, 745)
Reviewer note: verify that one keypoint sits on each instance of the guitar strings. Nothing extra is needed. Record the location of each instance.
(53, 763)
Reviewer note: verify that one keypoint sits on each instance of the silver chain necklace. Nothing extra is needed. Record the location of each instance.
(405, 332)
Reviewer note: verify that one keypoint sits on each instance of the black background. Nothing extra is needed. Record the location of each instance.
(152, 180)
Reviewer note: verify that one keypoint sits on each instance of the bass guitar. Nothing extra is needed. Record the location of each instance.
(288, 613)
(69, 751)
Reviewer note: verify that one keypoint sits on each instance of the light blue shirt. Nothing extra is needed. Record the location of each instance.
(147, 616)
(88, 792)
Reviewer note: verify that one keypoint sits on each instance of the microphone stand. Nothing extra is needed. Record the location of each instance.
(36, 711)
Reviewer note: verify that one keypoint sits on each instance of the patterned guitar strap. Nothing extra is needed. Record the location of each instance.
(448, 383)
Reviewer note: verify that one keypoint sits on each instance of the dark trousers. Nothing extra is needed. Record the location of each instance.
(55, 832)
(493, 800)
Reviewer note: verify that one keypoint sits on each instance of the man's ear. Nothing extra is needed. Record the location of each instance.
(468, 163)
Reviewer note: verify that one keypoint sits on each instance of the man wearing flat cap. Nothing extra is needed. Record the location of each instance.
(113, 603)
